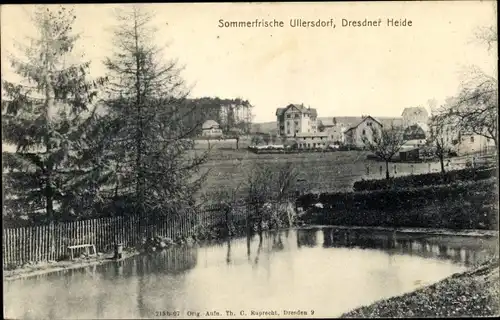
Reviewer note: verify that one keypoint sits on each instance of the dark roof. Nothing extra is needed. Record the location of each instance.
(362, 120)
(350, 122)
(414, 110)
(313, 112)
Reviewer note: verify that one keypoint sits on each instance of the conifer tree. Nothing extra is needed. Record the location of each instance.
(44, 116)
(155, 170)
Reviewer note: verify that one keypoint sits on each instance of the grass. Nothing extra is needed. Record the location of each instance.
(474, 293)
(318, 172)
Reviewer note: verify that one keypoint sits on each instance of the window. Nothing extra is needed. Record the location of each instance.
(369, 124)
(288, 116)
(296, 123)
(471, 139)
(288, 131)
(288, 123)
(297, 115)
(364, 132)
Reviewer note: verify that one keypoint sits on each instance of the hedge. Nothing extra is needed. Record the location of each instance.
(427, 179)
(465, 205)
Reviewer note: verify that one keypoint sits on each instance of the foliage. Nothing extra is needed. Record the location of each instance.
(45, 116)
(230, 114)
(146, 104)
(413, 181)
(462, 205)
(475, 108)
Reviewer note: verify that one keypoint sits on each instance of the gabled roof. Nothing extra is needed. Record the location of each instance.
(415, 110)
(299, 107)
(209, 124)
(363, 120)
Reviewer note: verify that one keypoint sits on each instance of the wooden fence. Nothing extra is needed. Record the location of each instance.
(50, 242)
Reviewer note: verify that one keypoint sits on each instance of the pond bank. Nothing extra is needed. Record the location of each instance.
(44, 267)
(29, 270)
(473, 293)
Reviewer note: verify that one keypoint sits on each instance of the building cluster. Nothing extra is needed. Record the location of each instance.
(301, 124)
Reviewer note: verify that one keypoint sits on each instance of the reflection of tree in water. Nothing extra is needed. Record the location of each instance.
(394, 243)
(277, 242)
(171, 263)
(307, 237)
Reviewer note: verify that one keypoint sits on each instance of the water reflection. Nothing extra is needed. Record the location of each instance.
(331, 270)
(462, 250)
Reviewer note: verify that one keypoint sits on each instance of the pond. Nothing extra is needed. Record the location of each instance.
(315, 272)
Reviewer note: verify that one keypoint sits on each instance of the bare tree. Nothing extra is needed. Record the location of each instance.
(475, 109)
(439, 139)
(385, 143)
(266, 184)
(266, 138)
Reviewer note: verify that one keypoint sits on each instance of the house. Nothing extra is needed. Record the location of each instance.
(462, 142)
(211, 128)
(365, 129)
(336, 132)
(416, 135)
(296, 119)
(467, 144)
(313, 140)
(414, 115)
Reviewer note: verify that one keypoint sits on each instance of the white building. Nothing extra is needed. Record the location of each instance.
(211, 128)
(355, 135)
(296, 119)
(414, 115)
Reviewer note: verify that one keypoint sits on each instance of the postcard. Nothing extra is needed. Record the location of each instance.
(250, 160)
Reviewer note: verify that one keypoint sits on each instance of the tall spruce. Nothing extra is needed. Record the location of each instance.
(44, 116)
(156, 171)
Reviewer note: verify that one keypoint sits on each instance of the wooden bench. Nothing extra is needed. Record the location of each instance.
(86, 246)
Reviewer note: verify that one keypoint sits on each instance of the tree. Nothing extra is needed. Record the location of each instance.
(321, 126)
(256, 140)
(385, 142)
(476, 105)
(266, 138)
(265, 184)
(46, 116)
(147, 104)
(334, 121)
(438, 138)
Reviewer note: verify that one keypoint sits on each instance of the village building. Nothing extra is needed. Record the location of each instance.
(414, 115)
(356, 135)
(211, 129)
(296, 119)
(416, 135)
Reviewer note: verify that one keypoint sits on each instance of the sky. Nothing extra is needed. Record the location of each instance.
(342, 71)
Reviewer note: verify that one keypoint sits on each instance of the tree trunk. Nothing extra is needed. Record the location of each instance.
(387, 170)
(441, 159)
(237, 143)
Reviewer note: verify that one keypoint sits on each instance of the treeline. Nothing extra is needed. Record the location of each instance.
(233, 115)
(115, 145)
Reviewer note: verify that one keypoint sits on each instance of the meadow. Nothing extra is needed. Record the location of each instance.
(317, 172)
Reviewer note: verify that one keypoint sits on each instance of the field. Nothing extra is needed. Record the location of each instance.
(317, 172)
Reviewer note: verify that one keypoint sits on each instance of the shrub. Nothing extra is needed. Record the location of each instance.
(435, 178)
(464, 205)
